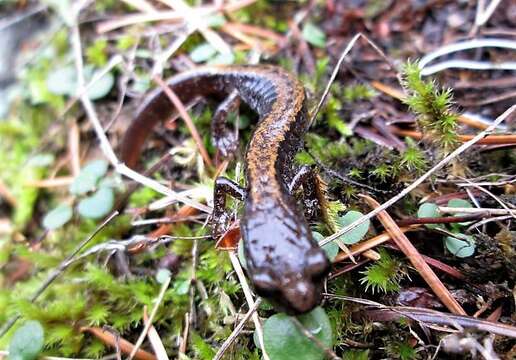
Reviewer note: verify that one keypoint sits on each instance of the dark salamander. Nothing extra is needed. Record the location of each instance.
(285, 263)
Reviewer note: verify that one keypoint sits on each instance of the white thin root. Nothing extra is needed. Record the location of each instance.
(467, 64)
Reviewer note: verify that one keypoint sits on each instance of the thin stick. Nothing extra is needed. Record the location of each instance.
(187, 119)
(400, 95)
(58, 271)
(488, 140)
(423, 178)
(329, 353)
(105, 146)
(154, 339)
(148, 324)
(238, 329)
(249, 300)
(487, 211)
(416, 259)
(333, 76)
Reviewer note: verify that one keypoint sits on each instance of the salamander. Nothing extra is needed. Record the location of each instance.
(284, 262)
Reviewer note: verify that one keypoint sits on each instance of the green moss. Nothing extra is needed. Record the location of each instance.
(432, 107)
(384, 275)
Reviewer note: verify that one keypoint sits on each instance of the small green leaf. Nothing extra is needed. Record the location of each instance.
(355, 235)
(181, 287)
(314, 35)
(96, 168)
(163, 275)
(222, 59)
(428, 210)
(88, 177)
(110, 182)
(215, 20)
(460, 203)
(83, 183)
(101, 87)
(57, 217)
(461, 248)
(283, 340)
(97, 205)
(202, 53)
(331, 249)
(41, 160)
(27, 341)
(62, 81)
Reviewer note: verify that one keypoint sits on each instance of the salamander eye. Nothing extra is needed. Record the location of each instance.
(317, 264)
(264, 283)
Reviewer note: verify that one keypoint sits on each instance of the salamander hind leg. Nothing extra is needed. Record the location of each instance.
(220, 216)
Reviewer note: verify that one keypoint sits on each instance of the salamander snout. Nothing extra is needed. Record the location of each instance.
(303, 292)
(302, 295)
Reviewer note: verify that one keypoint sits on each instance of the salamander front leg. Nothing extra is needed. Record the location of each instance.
(220, 216)
(223, 137)
(307, 177)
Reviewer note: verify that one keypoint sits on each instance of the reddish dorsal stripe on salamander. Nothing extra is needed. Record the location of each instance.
(285, 263)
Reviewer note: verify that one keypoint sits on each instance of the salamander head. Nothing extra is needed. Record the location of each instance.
(294, 292)
(285, 264)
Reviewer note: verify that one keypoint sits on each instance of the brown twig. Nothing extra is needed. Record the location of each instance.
(422, 178)
(371, 243)
(400, 95)
(147, 326)
(6, 194)
(441, 220)
(428, 316)
(416, 259)
(187, 119)
(112, 340)
(436, 317)
(447, 269)
(488, 140)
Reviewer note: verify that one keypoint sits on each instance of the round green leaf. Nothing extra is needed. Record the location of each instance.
(460, 203)
(27, 341)
(428, 210)
(331, 249)
(97, 205)
(62, 81)
(57, 217)
(356, 234)
(41, 160)
(284, 341)
(202, 53)
(96, 168)
(215, 20)
(83, 183)
(163, 275)
(101, 87)
(460, 248)
(222, 59)
(314, 35)
(88, 177)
